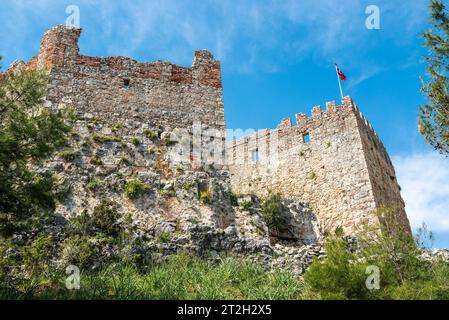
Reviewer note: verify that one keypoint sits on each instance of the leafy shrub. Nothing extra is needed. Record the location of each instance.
(135, 141)
(104, 139)
(247, 205)
(339, 276)
(165, 237)
(134, 187)
(205, 197)
(273, 212)
(105, 218)
(77, 250)
(403, 274)
(150, 134)
(69, 155)
(93, 184)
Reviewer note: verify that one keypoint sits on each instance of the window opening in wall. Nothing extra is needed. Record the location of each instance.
(306, 138)
(126, 83)
(256, 155)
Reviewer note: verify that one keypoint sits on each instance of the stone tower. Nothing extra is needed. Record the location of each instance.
(333, 160)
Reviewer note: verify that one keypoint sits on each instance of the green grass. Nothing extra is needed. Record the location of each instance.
(205, 197)
(104, 139)
(180, 277)
(93, 184)
(69, 155)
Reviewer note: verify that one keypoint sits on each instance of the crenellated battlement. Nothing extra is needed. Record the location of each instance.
(304, 125)
(59, 49)
(332, 159)
(123, 90)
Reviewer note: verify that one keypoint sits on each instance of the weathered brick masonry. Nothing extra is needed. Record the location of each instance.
(120, 89)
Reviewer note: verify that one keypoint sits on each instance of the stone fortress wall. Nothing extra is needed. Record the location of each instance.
(135, 95)
(344, 171)
(333, 160)
(120, 89)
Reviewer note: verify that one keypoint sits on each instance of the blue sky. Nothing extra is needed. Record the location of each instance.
(277, 60)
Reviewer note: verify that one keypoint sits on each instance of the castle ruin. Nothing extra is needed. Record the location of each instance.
(333, 160)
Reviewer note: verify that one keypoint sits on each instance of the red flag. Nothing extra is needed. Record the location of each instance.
(340, 73)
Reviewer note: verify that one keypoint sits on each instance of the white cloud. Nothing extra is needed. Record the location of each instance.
(424, 179)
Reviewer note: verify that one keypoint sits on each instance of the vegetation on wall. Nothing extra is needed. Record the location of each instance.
(105, 139)
(273, 212)
(134, 188)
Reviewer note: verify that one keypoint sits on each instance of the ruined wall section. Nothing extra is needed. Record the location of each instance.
(122, 90)
(334, 171)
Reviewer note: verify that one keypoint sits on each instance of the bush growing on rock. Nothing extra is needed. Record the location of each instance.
(247, 205)
(205, 197)
(403, 273)
(29, 134)
(135, 141)
(77, 250)
(134, 188)
(165, 237)
(234, 198)
(340, 276)
(273, 212)
(93, 184)
(106, 218)
(105, 139)
(69, 155)
(150, 134)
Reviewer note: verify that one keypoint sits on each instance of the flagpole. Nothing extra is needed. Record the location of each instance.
(339, 81)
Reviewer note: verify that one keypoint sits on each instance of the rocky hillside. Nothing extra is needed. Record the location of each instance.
(172, 207)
